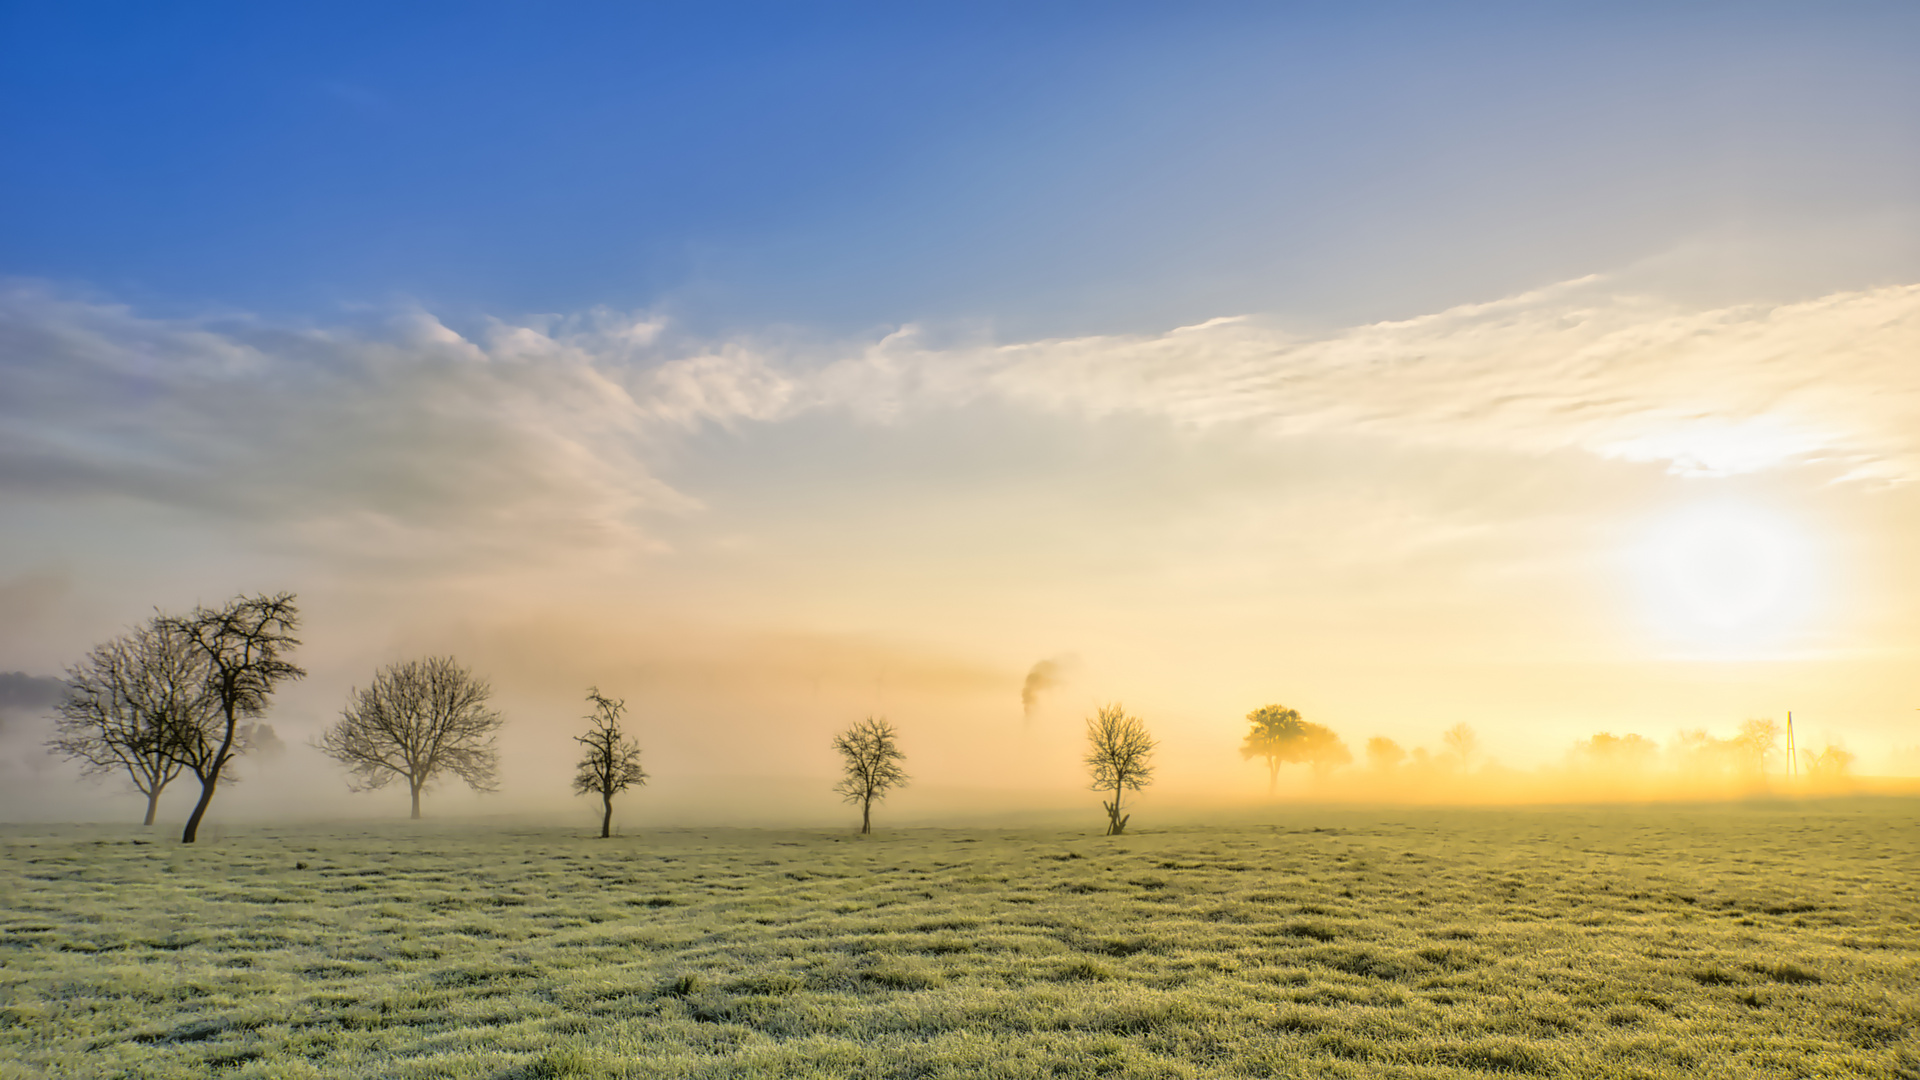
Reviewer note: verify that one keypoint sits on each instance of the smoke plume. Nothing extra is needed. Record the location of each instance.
(1044, 676)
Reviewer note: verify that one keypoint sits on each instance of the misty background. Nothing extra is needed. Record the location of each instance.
(973, 367)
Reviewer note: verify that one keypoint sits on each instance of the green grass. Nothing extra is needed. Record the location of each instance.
(1746, 941)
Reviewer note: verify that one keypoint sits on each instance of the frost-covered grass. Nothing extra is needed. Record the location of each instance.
(1763, 940)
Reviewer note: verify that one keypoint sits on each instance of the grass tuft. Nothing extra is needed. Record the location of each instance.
(1501, 1056)
(1786, 972)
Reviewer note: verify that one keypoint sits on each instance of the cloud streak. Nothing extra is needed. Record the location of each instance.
(405, 435)
(1707, 392)
(348, 438)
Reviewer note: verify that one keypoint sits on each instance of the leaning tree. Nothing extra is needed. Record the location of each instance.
(123, 703)
(1120, 757)
(611, 763)
(870, 752)
(242, 649)
(1278, 736)
(417, 720)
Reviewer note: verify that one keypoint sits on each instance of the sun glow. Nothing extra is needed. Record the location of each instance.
(1727, 577)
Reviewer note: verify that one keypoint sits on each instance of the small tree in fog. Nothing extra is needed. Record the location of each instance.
(1462, 743)
(1120, 757)
(1830, 764)
(1278, 736)
(872, 757)
(125, 700)
(612, 761)
(417, 720)
(241, 650)
(1384, 755)
(1608, 752)
(1275, 735)
(1758, 740)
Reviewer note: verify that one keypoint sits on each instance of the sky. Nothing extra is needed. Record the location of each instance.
(1550, 369)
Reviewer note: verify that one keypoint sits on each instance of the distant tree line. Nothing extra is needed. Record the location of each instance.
(183, 694)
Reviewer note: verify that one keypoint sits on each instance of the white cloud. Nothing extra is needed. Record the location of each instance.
(410, 434)
(411, 437)
(1708, 391)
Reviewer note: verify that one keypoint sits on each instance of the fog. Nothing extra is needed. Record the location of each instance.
(736, 732)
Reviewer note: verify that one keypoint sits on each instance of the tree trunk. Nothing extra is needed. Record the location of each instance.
(1116, 824)
(211, 778)
(1273, 775)
(866, 816)
(207, 784)
(153, 804)
(415, 786)
(606, 817)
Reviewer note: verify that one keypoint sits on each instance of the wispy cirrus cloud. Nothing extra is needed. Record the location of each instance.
(403, 430)
(1714, 391)
(549, 429)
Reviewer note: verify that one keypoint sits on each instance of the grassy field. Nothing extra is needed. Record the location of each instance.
(1753, 940)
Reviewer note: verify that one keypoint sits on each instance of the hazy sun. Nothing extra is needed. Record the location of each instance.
(1727, 574)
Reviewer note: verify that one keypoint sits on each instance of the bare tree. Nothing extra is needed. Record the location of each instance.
(612, 761)
(241, 649)
(1831, 764)
(1461, 743)
(1279, 736)
(122, 703)
(1757, 741)
(872, 754)
(416, 721)
(1120, 756)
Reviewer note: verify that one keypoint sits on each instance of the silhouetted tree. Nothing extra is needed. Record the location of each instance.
(1462, 743)
(123, 702)
(1384, 755)
(871, 754)
(1703, 756)
(1830, 764)
(1279, 736)
(417, 720)
(1757, 741)
(241, 648)
(1619, 753)
(612, 761)
(1120, 757)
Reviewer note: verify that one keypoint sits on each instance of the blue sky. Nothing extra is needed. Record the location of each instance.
(1042, 169)
(1543, 367)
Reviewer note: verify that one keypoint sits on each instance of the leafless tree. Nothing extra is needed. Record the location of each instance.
(1462, 744)
(871, 753)
(123, 702)
(611, 763)
(1279, 736)
(417, 720)
(241, 648)
(1757, 741)
(1120, 756)
(1831, 764)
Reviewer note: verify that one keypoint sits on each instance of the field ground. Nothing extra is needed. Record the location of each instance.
(1750, 940)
